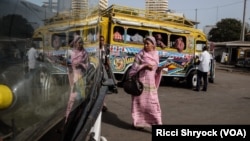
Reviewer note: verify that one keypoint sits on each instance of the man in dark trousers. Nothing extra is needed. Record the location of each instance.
(203, 68)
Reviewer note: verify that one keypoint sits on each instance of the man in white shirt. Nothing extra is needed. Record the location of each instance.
(32, 56)
(203, 68)
(137, 38)
(127, 38)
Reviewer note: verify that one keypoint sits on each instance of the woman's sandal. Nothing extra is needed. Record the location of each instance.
(137, 128)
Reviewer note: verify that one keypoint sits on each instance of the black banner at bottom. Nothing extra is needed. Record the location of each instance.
(201, 132)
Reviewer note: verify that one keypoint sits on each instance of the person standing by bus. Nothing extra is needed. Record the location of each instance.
(105, 62)
(145, 108)
(226, 59)
(203, 69)
(32, 58)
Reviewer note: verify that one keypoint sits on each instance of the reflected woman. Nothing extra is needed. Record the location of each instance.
(79, 63)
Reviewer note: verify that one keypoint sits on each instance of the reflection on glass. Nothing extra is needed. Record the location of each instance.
(44, 66)
(77, 73)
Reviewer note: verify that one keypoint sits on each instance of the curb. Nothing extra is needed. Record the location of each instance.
(233, 69)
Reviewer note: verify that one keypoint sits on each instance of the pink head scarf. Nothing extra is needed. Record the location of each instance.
(151, 39)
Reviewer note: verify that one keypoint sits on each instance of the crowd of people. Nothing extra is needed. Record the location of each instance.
(178, 43)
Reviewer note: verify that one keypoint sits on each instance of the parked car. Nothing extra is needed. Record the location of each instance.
(240, 63)
(244, 62)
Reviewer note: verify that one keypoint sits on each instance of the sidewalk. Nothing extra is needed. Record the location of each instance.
(231, 68)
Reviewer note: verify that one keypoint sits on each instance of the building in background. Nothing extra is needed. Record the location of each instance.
(79, 5)
(64, 5)
(103, 4)
(156, 5)
(51, 5)
(74, 5)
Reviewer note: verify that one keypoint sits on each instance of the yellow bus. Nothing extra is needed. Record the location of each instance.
(124, 29)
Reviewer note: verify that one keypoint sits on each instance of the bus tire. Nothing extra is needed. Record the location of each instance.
(192, 79)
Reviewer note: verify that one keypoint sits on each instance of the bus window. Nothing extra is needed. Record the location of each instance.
(161, 39)
(73, 35)
(118, 34)
(136, 35)
(178, 42)
(58, 40)
(90, 35)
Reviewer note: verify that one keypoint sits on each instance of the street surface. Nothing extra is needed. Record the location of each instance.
(227, 101)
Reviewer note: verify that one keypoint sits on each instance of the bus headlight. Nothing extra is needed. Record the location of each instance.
(6, 97)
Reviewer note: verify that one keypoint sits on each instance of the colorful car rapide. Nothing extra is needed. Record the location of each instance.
(124, 29)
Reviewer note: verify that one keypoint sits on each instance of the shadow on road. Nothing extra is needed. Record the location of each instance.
(112, 119)
(172, 83)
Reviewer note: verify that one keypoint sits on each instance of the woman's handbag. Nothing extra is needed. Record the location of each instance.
(133, 86)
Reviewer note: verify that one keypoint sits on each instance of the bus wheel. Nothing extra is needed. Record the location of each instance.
(48, 84)
(192, 79)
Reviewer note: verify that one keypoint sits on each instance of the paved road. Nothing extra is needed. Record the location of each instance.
(227, 101)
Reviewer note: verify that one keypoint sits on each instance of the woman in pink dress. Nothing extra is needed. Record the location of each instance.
(79, 66)
(146, 110)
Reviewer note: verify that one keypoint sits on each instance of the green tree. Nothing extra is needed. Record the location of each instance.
(226, 30)
(15, 26)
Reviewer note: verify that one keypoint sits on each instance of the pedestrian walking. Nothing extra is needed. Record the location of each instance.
(146, 110)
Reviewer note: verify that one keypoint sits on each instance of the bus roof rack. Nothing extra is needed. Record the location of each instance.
(171, 18)
(123, 11)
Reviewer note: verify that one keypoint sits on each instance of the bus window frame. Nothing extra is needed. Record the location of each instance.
(71, 38)
(172, 41)
(135, 31)
(93, 29)
(114, 27)
(164, 40)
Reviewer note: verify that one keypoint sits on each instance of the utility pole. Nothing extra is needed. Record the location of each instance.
(50, 5)
(196, 25)
(243, 26)
(217, 14)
